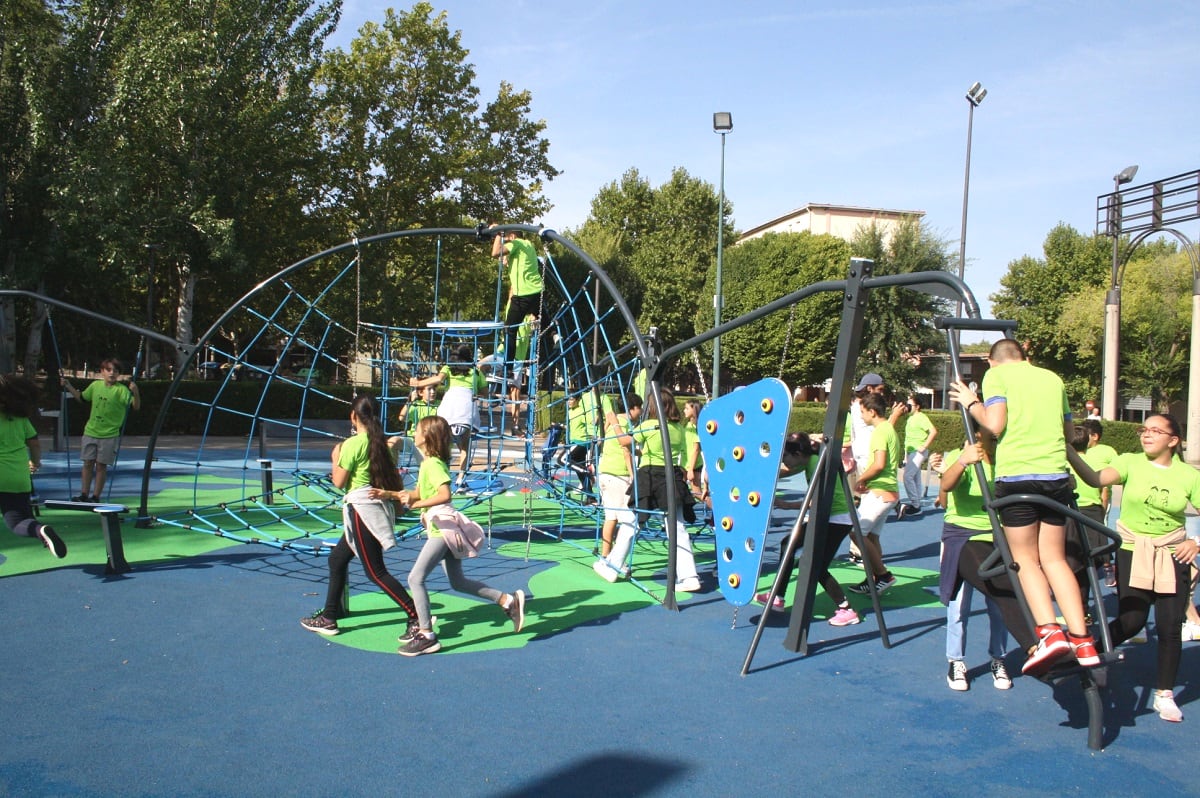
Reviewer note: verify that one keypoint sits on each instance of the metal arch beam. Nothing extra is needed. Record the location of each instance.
(1112, 333)
(100, 317)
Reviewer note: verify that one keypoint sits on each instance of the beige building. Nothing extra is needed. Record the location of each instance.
(836, 220)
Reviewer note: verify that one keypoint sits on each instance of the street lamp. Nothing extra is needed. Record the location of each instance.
(1112, 300)
(975, 96)
(722, 123)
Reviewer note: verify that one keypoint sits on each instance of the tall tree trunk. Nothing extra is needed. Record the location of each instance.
(186, 283)
(33, 344)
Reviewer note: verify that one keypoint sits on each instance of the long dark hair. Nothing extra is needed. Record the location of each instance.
(18, 396)
(462, 359)
(379, 457)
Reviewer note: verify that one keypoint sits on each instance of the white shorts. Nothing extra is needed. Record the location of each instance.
(873, 512)
(614, 498)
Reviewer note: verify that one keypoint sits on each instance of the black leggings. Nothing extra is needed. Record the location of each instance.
(18, 514)
(372, 559)
(835, 534)
(998, 588)
(1170, 609)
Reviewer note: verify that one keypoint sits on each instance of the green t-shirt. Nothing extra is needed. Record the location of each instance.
(353, 458)
(432, 474)
(916, 430)
(612, 453)
(691, 439)
(883, 438)
(648, 439)
(417, 410)
(1097, 457)
(14, 454)
(110, 403)
(838, 505)
(964, 504)
(1033, 445)
(472, 379)
(1155, 496)
(523, 272)
(579, 425)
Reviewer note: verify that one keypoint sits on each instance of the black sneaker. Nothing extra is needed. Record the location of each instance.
(83, 498)
(95, 499)
(414, 626)
(420, 644)
(516, 610)
(882, 584)
(52, 541)
(320, 623)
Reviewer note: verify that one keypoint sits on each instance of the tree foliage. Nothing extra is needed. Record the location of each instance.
(899, 321)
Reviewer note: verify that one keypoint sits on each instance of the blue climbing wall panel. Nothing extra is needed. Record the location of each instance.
(741, 437)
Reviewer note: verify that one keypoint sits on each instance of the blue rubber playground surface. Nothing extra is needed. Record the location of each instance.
(190, 675)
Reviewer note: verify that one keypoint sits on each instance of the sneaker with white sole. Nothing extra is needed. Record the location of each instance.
(690, 584)
(1165, 706)
(421, 643)
(320, 623)
(516, 610)
(882, 584)
(956, 675)
(413, 627)
(845, 616)
(1190, 631)
(604, 570)
(1052, 646)
(1000, 679)
(52, 541)
(777, 605)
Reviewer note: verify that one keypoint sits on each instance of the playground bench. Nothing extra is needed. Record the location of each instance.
(110, 525)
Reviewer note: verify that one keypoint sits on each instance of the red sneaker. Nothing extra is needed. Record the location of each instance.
(1085, 650)
(1052, 646)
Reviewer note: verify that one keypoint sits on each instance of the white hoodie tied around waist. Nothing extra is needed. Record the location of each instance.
(379, 515)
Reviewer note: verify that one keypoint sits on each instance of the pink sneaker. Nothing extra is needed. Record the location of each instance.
(845, 616)
(776, 606)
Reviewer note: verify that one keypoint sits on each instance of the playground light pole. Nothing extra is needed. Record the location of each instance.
(1112, 300)
(975, 96)
(722, 124)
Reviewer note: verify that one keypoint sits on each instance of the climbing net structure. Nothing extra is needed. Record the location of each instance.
(284, 363)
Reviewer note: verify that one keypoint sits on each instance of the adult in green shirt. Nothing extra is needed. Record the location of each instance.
(1156, 552)
(111, 402)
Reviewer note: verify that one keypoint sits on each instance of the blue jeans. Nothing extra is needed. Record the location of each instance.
(957, 613)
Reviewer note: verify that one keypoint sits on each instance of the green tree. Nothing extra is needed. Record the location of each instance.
(408, 145)
(899, 321)
(1058, 304)
(1033, 293)
(798, 344)
(1156, 309)
(190, 144)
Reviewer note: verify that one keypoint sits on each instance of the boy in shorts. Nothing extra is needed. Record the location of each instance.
(111, 402)
(1026, 408)
(879, 489)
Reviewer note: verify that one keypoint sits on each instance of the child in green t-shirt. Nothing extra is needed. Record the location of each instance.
(21, 456)
(111, 401)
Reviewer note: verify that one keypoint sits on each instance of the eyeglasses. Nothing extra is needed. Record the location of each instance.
(1153, 431)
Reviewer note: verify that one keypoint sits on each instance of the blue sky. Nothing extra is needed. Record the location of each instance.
(858, 102)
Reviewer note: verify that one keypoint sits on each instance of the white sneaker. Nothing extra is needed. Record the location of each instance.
(605, 570)
(1191, 631)
(1000, 679)
(689, 585)
(1165, 706)
(956, 675)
